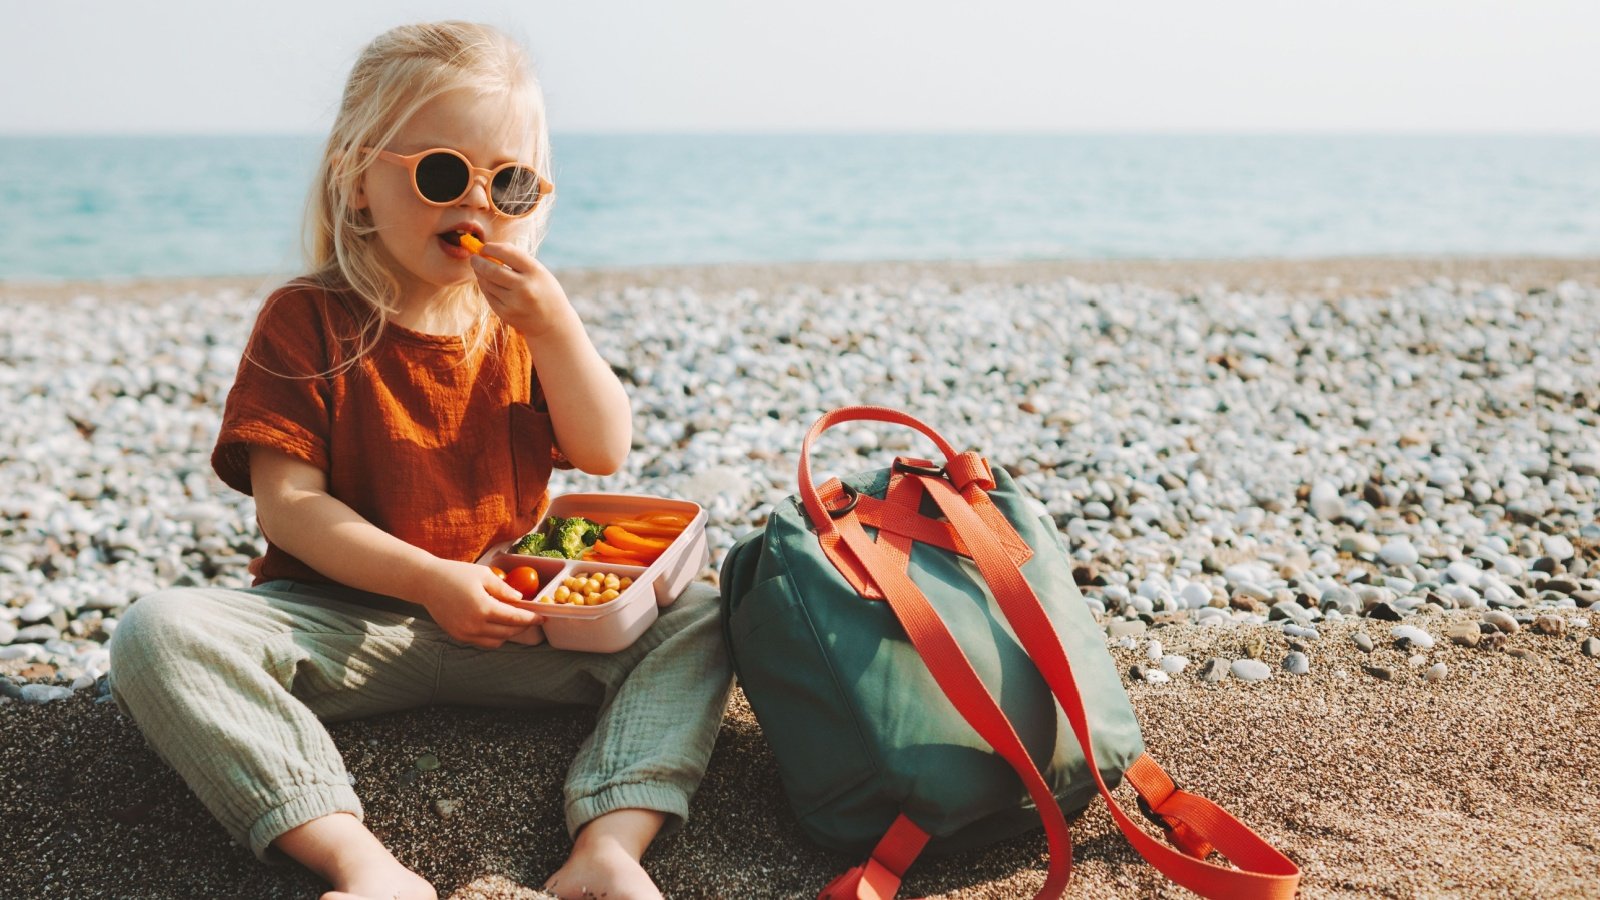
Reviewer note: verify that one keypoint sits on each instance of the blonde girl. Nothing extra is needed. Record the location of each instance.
(397, 412)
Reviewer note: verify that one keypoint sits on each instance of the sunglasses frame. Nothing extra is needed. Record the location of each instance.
(410, 162)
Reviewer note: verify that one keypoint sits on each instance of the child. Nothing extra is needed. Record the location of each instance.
(397, 412)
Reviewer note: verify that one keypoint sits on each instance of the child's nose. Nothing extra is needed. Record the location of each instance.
(476, 195)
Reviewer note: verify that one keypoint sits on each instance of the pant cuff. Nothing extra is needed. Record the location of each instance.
(313, 804)
(654, 797)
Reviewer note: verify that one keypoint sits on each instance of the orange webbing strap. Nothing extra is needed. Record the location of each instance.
(954, 674)
(879, 877)
(1195, 823)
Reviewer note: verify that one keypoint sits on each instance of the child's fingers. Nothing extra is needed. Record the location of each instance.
(508, 613)
(492, 275)
(528, 606)
(513, 256)
(501, 591)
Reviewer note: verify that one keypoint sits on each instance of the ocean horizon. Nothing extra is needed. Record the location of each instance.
(186, 205)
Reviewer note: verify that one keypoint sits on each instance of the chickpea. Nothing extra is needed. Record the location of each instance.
(562, 593)
(609, 595)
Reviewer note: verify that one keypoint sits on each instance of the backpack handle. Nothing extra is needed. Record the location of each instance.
(820, 515)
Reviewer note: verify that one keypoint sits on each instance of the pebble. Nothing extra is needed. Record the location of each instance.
(1250, 670)
(1553, 626)
(1156, 676)
(1362, 641)
(1342, 599)
(1296, 663)
(1214, 669)
(1126, 627)
(44, 693)
(1385, 612)
(1591, 647)
(1153, 650)
(1379, 672)
(1325, 502)
(1174, 664)
(1465, 634)
(1558, 548)
(444, 808)
(1411, 636)
(1436, 672)
(1194, 483)
(1503, 621)
(1195, 595)
(1399, 553)
(36, 611)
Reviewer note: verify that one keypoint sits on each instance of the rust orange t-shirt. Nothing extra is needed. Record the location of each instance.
(438, 446)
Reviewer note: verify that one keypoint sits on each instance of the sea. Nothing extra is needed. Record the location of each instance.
(151, 206)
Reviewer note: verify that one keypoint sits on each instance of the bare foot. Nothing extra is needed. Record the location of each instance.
(604, 864)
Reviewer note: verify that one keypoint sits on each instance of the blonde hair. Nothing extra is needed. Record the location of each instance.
(395, 76)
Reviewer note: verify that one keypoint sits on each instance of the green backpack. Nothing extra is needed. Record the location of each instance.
(905, 636)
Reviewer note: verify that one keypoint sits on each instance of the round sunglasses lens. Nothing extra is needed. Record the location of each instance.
(515, 190)
(442, 177)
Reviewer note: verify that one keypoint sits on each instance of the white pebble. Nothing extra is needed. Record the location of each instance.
(1415, 635)
(1250, 670)
(1399, 552)
(1172, 664)
(44, 693)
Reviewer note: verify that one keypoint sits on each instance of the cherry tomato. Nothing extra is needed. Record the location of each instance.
(524, 579)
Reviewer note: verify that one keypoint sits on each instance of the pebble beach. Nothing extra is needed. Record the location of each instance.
(1339, 520)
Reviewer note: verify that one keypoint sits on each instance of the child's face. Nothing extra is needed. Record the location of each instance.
(484, 128)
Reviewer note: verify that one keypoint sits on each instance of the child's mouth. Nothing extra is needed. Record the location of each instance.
(458, 244)
(464, 244)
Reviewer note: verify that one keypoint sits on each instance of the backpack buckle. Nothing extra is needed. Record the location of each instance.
(1149, 811)
(901, 464)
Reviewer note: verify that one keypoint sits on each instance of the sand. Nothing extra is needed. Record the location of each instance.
(1483, 784)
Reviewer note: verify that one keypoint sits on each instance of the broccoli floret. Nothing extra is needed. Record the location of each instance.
(530, 544)
(573, 536)
(592, 532)
(560, 538)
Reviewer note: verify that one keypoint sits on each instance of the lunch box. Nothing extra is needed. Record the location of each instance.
(614, 625)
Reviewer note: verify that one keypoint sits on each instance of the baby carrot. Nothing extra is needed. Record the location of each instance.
(472, 245)
(629, 542)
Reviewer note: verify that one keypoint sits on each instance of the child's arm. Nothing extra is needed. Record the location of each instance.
(298, 514)
(589, 410)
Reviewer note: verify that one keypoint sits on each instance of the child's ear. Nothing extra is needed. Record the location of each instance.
(359, 199)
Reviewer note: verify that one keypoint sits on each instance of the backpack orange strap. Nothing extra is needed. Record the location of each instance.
(879, 877)
(1195, 824)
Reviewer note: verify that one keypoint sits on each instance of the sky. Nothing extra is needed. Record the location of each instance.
(178, 66)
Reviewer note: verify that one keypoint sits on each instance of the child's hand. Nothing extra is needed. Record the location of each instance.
(523, 292)
(474, 606)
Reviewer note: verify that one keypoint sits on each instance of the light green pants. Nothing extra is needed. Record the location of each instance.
(231, 688)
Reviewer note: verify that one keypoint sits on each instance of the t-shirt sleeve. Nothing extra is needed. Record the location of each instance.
(281, 395)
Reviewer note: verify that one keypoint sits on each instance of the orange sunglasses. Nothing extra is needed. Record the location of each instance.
(441, 177)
